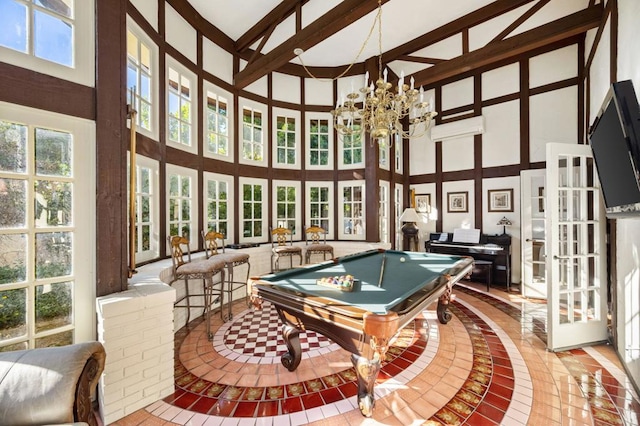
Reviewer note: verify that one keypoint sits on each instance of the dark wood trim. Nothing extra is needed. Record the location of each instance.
(162, 132)
(528, 14)
(613, 41)
(596, 40)
(341, 16)
(200, 24)
(472, 19)
(477, 153)
(144, 25)
(200, 142)
(465, 41)
(438, 181)
(501, 99)
(420, 60)
(111, 148)
(458, 118)
(23, 86)
(582, 119)
(557, 85)
(524, 114)
(511, 47)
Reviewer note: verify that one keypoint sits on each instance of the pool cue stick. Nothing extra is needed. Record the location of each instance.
(384, 259)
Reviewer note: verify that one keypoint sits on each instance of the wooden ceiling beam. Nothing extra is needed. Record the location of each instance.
(341, 16)
(263, 27)
(469, 20)
(551, 32)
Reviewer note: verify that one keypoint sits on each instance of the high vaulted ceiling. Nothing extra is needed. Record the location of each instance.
(429, 39)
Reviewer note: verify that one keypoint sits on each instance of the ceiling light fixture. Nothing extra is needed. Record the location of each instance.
(378, 110)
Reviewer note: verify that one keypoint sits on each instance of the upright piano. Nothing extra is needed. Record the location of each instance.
(494, 248)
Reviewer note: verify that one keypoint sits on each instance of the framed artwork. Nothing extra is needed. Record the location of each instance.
(501, 200)
(457, 202)
(423, 203)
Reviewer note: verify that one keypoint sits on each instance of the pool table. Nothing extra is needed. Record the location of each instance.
(391, 289)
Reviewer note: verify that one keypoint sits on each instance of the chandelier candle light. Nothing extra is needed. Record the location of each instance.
(381, 111)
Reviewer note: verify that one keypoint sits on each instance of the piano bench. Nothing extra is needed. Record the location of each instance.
(483, 268)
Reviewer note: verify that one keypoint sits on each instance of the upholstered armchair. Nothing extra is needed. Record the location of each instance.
(50, 385)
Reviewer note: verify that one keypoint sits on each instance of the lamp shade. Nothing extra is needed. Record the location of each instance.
(409, 215)
(504, 222)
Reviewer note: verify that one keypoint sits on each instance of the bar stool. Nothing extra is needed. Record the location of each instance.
(187, 270)
(214, 249)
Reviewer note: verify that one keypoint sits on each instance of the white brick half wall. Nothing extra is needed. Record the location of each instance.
(136, 329)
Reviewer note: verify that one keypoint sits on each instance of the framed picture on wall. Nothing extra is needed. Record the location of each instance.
(423, 203)
(501, 200)
(457, 202)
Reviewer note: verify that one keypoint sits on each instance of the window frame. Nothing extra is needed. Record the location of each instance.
(287, 114)
(83, 70)
(399, 209)
(319, 116)
(265, 226)
(154, 132)
(154, 166)
(193, 93)
(83, 223)
(363, 215)
(172, 169)
(309, 185)
(219, 93)
(208, 177)
(358, 165)
(297, 232)
(384, 212)
(262, 109)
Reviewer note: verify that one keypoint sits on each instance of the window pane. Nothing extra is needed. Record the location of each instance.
(53, 305)
(53, 203)
(60, 339)
(53, 153)
(53, 254)
(13, 313)
(13, 203)
(13, 259)
(13, 142)
(61, 7)
(13, 21)
(53, 39)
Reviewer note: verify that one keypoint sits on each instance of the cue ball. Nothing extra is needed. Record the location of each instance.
(402, 259)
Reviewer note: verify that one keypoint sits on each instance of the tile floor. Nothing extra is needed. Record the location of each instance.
(488, 366)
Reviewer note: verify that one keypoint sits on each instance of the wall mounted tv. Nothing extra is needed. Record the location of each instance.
(614, 138)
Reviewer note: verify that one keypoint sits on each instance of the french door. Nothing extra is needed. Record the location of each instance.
(534, 219)
(576, 251)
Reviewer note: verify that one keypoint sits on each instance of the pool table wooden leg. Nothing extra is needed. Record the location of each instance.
(444, 316)
(367, 371)
(291, 336)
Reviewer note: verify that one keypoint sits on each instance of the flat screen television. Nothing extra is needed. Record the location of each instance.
(616, 150)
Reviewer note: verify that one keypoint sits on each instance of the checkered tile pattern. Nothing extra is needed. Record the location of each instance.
(258, 333)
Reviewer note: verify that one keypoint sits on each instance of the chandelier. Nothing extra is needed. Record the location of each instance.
(378, 109)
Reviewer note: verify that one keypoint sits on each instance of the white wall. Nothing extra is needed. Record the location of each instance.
(627, 261)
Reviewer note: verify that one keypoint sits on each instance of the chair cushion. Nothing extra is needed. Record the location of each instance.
(201, 267)
(38, 386)
(320, 247)
(287, 250)
(230, 257)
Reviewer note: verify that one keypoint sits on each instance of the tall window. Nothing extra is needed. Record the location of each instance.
(44, 29)
(252, 144)
(352, 149)
(45, 253)
(383, 155)
(217, 130)
(397, 150)
(319, 142)
(352, 213)
(179, 107)
(180, 200)
(147, 217)
(253, 210)
(218, 206)
(140, 78)
(285, 140)
(319, 206)
(286, 207)
(397, 207)
(383, 212)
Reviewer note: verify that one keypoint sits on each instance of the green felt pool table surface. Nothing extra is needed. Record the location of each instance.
(407, 277)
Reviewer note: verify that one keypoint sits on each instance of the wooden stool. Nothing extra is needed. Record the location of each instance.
(485, 268)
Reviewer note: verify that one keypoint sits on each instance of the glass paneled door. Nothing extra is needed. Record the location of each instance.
(534, 271)
(576, 259)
